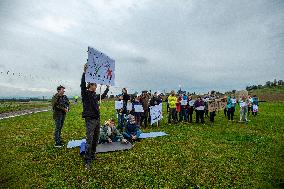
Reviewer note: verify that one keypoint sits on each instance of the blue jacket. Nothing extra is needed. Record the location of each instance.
(229, 103)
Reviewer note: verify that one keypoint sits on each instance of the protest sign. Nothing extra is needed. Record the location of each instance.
(118, 105)
(138, 108)
(183, 102)
(156, 113)
(212, 106)
(129, 106)
(191, 103)
(100, 68)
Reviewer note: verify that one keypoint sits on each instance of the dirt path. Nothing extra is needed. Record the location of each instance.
(22, 112)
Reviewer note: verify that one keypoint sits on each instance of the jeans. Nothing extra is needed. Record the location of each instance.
(212, 115)
(92, 138)
(144, 118)
(128, 136)
(59, 121)
(172, 115)
(230, 113)
(184, 112)
(121, 121)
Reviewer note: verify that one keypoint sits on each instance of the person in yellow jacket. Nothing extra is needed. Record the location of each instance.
(172, 99)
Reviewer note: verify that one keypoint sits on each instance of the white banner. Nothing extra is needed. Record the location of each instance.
(100, 68)
(156, 113)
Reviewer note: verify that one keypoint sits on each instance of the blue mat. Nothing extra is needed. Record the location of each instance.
(152, 134)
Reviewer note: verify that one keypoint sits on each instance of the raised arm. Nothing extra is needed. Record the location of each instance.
(83, 82)
(105, 92)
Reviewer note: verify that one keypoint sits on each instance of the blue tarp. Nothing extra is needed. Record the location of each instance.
(152, 134)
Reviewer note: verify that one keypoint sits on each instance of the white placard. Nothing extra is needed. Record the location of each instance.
(129, 106)
(138, 108)
(242, 104)
(183, 102)
(200, 108)
(191, 103)
(234, 101)
(156, 113)
(255, 108)
(100, 68)
(118, 105)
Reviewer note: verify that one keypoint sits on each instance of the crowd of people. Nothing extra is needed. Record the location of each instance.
(180, 108)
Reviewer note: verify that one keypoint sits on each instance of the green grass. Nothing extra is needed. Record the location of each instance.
(15, 106)
(222, 155)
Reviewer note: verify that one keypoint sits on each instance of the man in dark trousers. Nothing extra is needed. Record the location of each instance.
(60, 105)
(91, 113)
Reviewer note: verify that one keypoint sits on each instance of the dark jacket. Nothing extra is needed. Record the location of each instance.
(59, 103)
(90, 101)
(155, 101)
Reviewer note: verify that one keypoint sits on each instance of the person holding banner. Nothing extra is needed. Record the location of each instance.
(172, 99)
(230, 109)
(145, 103)
(91, 114)
(199, 109)
(190, 108)
(254, 105)
(243, 108)
(184, 106)
(137, 114)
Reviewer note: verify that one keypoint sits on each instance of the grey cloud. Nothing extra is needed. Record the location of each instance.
(202, 44)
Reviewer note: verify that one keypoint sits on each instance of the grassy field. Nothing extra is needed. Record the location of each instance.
(220, 155)
(16, 106)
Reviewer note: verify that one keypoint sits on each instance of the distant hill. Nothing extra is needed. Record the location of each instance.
(270, 94)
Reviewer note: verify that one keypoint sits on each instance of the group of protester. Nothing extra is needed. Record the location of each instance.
(180, 108)
(179, 112)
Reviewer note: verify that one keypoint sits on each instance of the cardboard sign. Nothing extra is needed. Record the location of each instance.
(200, 108)
(156, 113)
(129, 106)
(191, 103)
(100, 68)
(138, 108)
(234, 101)
(118, 105)
(213, 106)
(255, 108)
(183, 102)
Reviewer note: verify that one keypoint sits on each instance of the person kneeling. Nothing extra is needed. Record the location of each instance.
(109, 133)
(132, 131)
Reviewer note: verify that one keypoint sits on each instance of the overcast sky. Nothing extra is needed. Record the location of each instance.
(200, 44)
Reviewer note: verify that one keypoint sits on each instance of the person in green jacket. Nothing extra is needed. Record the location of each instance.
(172, 100)
(109, 133)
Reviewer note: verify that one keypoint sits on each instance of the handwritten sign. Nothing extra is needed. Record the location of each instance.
(213, 106)
(183, 102)
(129, 106)
(138, 108)
(100, 68)
(191, 103)
(118, 105)
(156, 113)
